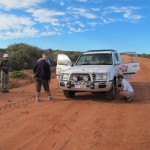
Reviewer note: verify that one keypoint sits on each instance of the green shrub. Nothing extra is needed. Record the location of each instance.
(18, 74)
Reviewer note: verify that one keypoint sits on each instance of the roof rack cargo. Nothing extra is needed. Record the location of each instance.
(101, 50)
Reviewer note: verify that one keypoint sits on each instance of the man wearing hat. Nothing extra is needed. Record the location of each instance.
(4, 65)
(126, 90)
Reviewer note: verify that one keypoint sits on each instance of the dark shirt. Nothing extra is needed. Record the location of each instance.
(42, 70)
(4, 65)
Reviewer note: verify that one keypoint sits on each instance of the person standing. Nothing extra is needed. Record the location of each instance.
(42, 75)
(46, 58)
(4, 65)
(126, 90)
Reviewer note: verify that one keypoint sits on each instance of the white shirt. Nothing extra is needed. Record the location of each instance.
(126, 86)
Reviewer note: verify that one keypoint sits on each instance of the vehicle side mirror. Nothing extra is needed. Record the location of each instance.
(117, 63)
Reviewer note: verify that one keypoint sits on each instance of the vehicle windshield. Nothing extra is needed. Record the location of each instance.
(95, 59)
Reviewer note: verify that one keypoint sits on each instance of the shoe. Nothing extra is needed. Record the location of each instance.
(6, 91)
(129, 99)
(123, 98)
(50, 98)
(38, 99)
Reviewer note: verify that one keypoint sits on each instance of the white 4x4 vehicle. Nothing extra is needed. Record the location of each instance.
(94, 71)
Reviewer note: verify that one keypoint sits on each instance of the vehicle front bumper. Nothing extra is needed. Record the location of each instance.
(96, 86)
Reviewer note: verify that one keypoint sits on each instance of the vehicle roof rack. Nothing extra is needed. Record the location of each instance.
(101, 50)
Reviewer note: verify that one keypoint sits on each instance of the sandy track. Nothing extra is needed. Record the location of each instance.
(84, 123)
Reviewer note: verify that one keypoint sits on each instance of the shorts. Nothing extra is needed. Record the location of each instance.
(39, 83)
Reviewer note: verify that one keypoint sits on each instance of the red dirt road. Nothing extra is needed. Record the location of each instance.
(87, 122)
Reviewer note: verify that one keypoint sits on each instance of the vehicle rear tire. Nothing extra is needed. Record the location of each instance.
(110, 95)
(69, 94)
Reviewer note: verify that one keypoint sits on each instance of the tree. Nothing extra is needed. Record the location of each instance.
(23, 56)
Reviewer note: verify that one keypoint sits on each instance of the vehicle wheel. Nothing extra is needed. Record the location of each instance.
(110, 95)
(69, 94)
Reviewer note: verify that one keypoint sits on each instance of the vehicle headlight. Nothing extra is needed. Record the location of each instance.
(101, 76)
(85, 78)
(74, 78)
(65, 76)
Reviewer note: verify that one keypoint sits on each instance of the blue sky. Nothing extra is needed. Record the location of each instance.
(77, 25)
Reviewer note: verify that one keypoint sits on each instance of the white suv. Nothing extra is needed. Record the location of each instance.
(94, 71)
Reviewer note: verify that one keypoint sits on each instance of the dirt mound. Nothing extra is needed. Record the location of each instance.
(143, 74)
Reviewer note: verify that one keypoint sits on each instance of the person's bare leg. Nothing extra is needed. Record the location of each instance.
(37, 94)
(38, 97)
(49, 95)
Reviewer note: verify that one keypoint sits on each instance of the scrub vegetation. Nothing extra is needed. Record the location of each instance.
(24, 56)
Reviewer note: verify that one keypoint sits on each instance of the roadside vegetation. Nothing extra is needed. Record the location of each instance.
(24, 56)
(18, 74)
(144, 55)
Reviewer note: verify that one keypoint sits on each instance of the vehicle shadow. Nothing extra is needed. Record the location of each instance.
(141, 95)
(100, 97)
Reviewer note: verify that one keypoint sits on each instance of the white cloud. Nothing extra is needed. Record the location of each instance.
(67, 19)
(20, 27)
(30, 31)
(92, 23)
(26, 32)
(129, 15)
(95, 9)
(82, 0)
(128, 12)
(82, 12)
(73, 29)
(14, 22)
(46, 16)
(49, 33)
(79, 23)
(18, 4)
(108, 20)
(62, 3)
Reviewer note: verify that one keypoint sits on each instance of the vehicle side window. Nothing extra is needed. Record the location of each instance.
(117, 58)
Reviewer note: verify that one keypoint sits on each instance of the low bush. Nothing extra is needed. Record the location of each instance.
(18, 74)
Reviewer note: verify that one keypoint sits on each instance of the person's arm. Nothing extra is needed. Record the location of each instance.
(35, 67)
(124, 84)
(49, 75)
(2, 65)
(48, 71)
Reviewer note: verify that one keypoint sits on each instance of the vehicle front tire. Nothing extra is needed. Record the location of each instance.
(110, 95)
(69, 94)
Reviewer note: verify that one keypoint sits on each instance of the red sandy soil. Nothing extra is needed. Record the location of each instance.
(86, 122)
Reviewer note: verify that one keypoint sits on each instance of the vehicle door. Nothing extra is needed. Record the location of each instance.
(63, 63)
(129, 65)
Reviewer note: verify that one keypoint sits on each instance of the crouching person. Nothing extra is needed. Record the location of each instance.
(42, 75)
(125, 91)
